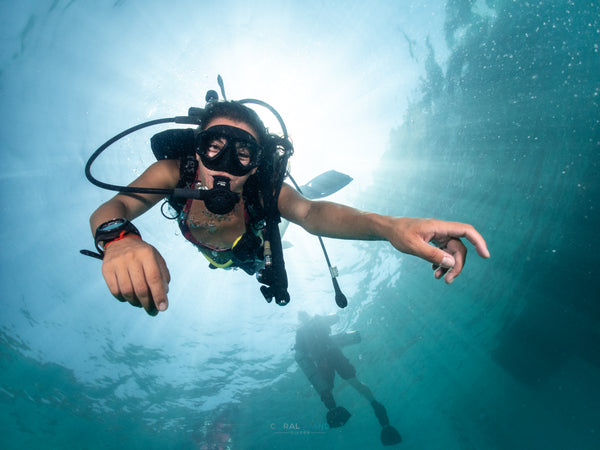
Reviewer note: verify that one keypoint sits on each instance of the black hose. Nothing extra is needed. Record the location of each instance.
(137, 190)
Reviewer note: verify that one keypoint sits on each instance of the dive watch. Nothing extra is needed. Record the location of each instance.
(112, 230)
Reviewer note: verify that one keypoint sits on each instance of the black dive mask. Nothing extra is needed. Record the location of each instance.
(220, 199)
(223, 148)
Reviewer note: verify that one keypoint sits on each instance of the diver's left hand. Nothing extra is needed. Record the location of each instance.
(448, 254)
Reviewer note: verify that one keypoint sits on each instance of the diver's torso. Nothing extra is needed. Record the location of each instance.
(229, 240)
(216, 230)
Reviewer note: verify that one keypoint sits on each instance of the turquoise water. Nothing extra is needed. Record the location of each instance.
(484, 112)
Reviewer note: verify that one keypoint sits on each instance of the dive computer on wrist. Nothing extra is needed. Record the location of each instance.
(112, 230)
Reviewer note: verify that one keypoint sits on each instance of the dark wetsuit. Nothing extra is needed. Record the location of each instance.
(319, 357)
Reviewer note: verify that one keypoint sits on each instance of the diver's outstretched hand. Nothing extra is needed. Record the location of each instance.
(447, 253)
(136, 273)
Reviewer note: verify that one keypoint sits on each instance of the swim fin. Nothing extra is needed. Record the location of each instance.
(390, 436)
(325, 184)
(337, 417)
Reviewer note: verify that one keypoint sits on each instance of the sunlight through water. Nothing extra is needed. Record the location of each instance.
(478, 111)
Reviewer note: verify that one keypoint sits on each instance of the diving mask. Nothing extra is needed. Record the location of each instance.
(224, 148)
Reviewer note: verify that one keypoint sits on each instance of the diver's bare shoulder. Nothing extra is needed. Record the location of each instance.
(163, 174)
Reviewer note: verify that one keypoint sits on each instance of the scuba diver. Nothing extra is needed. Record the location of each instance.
(319, 356)
(224, 179)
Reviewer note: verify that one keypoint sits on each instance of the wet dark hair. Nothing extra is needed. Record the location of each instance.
(238, 112)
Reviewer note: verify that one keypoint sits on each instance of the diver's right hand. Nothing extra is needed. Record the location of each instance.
(136, 273)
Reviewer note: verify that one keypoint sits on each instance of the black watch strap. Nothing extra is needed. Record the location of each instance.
(112, 230)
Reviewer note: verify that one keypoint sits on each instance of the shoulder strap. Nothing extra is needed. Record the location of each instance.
(177, 143)
(274, 275)
(188, 166)
(253, 204)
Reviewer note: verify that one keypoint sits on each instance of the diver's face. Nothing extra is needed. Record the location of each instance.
(206, 175)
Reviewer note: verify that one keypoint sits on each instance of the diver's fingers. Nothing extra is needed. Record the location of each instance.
(126, 289)
(439, 272)
(141, 289)
(125, 268)
(438, 257)
(113, 285)
(459, 252)
(157, 277)
(448, 254)
(118, 285)
(447, 230)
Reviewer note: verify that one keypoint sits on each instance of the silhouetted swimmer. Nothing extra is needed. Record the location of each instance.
(319, 356)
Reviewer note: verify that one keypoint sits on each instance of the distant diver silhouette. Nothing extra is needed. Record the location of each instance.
(319, 356)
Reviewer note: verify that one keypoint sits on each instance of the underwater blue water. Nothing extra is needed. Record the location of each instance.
(485, 112)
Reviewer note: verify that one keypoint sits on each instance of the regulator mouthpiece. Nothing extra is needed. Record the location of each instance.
(220, 199)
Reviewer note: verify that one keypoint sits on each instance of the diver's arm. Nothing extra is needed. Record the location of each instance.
(407, 235)
(329, 219)
(133, 269)
(162, 174)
